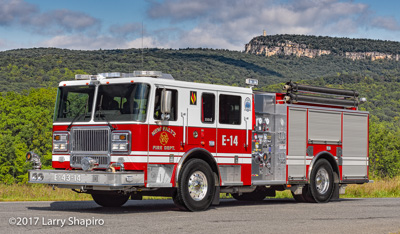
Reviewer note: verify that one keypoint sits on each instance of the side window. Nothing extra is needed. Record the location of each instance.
(157, 105)
(207, 108)
(229, 109)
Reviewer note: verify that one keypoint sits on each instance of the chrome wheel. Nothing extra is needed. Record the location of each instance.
(197, 185)
(322, 181)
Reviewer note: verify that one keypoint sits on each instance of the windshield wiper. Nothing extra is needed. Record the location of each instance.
(78, 116)
(104, 116)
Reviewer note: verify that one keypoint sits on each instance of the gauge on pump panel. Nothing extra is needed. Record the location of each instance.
(266, 120)
(259, 121)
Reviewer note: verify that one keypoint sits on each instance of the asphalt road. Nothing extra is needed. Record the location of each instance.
(379, 215)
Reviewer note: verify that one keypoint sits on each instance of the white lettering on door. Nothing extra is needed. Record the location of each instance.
(233, 140)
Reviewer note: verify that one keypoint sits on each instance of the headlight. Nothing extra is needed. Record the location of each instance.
(119, 147)
(120, 141)
(60, 141)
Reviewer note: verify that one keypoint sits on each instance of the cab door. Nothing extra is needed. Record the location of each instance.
(234, 126)
(201, 120)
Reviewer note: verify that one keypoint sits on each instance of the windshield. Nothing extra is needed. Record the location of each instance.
(74, 102)
(126, 102)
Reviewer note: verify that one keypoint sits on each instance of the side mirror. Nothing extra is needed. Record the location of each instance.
(166, 103)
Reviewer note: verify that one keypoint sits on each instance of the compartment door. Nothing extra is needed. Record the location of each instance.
(297, 143)
(355, 146)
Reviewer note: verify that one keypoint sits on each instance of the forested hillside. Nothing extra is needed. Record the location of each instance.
(25, 68)
(28, 79)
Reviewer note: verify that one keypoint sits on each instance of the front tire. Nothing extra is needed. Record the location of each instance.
(321, 181)
(196, 186)
(110, 200)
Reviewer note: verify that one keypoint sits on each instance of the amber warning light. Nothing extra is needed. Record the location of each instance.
(34, 159)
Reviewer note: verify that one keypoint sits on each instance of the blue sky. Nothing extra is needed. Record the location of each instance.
(223, 24)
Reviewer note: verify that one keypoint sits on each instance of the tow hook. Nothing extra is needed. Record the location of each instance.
(111, 168)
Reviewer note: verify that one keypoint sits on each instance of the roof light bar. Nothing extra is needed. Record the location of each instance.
(110, 74)
(100, 76)
(147, 73)
(85, 77)
(252, 82)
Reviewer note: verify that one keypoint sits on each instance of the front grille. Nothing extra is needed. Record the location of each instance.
(103, 160)
(90, 139)
(91, 142)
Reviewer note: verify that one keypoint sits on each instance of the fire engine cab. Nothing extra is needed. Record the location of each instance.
(127, 135)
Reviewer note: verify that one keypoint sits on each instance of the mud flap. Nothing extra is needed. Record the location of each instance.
(335, 195)
(215, 201)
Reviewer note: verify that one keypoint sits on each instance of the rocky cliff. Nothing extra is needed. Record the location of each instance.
(311, 46)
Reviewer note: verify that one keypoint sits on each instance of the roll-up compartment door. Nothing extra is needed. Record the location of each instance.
(355, 146)
(297, 143)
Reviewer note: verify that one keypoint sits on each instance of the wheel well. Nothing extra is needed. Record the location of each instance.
(329, 157)
(199, 154)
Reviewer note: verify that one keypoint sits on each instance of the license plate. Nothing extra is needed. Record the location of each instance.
(66, 177)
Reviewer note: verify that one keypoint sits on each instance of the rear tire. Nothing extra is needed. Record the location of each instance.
(196, 186)
(305, 195)
(298, 197)
(110, 200)
(321, 181)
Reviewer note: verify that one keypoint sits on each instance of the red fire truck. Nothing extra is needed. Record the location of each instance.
(118, 136)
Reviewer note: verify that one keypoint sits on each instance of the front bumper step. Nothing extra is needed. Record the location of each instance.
(95, 179)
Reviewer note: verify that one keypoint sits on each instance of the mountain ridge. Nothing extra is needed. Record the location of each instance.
(316, 46)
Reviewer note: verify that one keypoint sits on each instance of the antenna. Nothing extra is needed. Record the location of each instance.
(142, 48)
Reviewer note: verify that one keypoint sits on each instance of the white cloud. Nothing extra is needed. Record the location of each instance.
(9, 45)
(226, 24)
(232, 23)
(12, 11)
(3, 44)
(146, 42)
(181, 10)
(83, 42)
(27, 16)
(388, 23)
(65, 20)
(126, 30)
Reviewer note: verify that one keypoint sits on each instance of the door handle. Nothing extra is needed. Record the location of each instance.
(183, 114)
(246, 119)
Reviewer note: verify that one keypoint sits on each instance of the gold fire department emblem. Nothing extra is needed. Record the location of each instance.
(164, 138)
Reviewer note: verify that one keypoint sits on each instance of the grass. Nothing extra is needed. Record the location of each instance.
(38, 192)
(380, 188)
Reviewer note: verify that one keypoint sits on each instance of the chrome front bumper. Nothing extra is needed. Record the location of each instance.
(96, 180)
